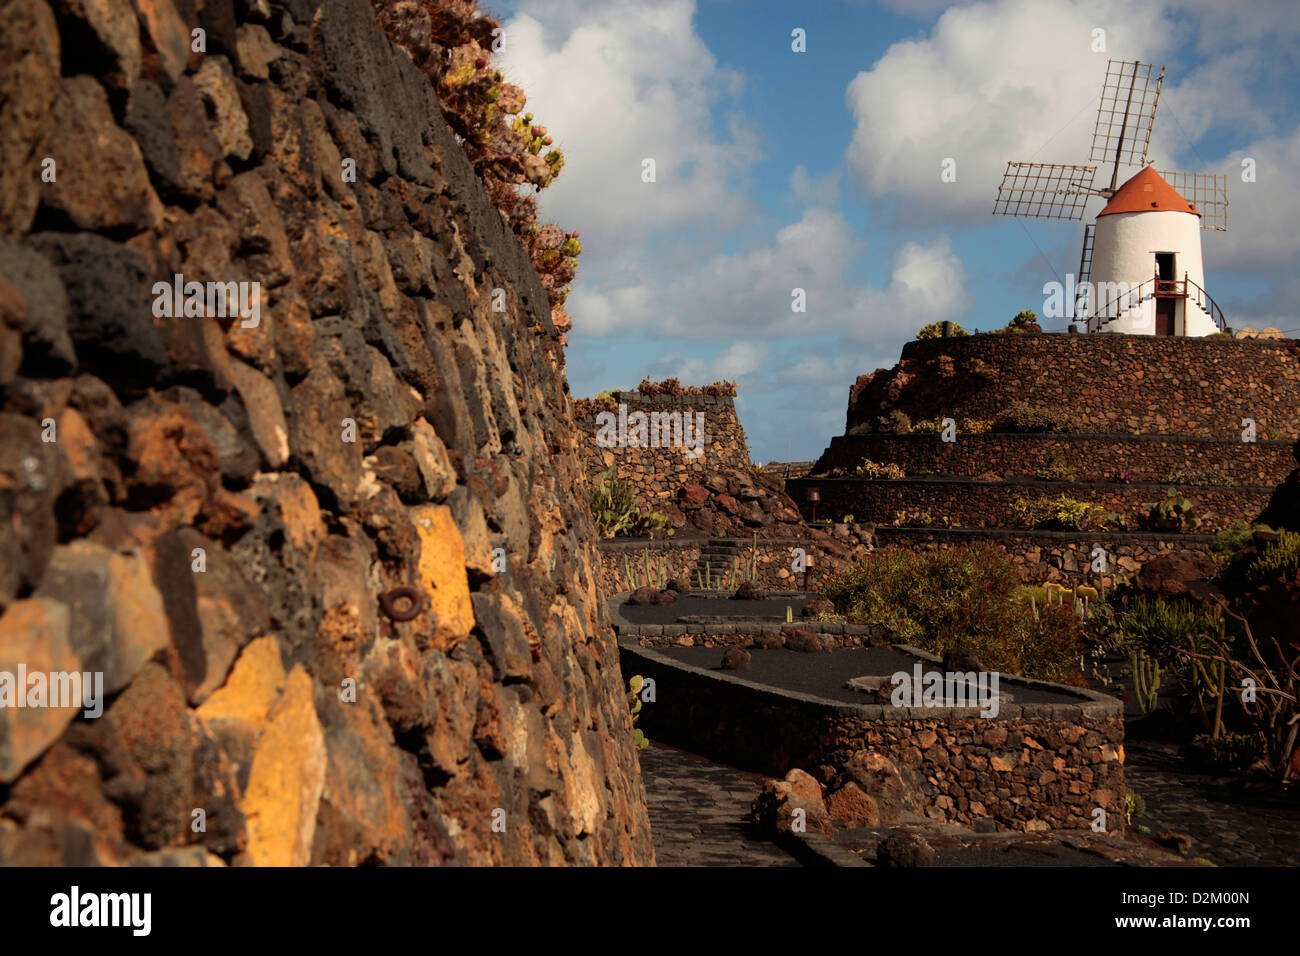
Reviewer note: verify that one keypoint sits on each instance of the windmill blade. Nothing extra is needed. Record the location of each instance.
(1128, 108)
(1208, 192)
(1043, 190)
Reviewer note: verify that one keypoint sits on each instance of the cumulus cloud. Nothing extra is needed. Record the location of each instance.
(617, 82)
(1261, 215)
(991, 82)
(815, 190)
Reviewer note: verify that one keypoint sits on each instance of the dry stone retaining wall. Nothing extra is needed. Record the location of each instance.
(658, 474)
(988, 504)
(1054, 555)
(1033, 767)
(207, 509)
(1094, 457)
(1109, 382)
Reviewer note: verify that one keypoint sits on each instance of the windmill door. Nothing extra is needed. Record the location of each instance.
(1165, 316)
(1166, 289)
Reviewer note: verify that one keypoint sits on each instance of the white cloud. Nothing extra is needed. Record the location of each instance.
(1261, 215)
(815, 190)
(616, 82)
(729, 294)
(992, 82)
(927, 284)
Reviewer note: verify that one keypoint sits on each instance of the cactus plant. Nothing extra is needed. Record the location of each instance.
(1146, 679)
(634, 684)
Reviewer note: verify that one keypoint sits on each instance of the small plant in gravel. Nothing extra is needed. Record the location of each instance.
(919, 518)
(1134, 807)
(1021, 418)
(1123, 475)
(1061, 513)
(1200, 477)
(1057, 470)
(873, 469)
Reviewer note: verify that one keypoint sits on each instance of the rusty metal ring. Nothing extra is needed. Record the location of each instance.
(389, 601)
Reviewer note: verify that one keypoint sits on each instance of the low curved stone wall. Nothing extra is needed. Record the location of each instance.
(1033, 767)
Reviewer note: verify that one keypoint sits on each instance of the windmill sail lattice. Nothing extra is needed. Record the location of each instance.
(1130, 95)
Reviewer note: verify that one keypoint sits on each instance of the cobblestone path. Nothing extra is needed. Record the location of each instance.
(1230, 824)
(699, 810)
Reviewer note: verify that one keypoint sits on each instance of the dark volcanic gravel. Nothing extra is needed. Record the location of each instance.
(824, 675)
(770, 610)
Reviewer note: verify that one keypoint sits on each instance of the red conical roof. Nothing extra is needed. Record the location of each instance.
(1147, 192)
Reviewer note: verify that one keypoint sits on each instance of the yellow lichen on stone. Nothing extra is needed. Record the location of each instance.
(286, 779)
(442, 577)
(241, 706)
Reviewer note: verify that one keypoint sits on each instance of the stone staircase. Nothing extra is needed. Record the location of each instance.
(716, 560)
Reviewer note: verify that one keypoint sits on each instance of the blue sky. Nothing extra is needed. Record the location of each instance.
(820, 170)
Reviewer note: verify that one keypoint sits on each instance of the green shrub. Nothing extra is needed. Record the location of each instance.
(1062, 513)
(1276, 558)
(1200, 477)
(935, 331)
(930, 426)
(874, 469)
(1233, 540)
(1058, 470)
(1022, 418)
(967, 596)
(919, 518)
(1022, 320)
(861, 428)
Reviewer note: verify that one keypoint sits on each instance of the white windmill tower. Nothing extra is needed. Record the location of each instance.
(1140, 270)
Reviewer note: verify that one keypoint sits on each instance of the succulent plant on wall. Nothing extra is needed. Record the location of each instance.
(452, 42)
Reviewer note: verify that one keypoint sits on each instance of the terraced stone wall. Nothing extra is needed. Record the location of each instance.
(989, 504)
(658, 473)
(1111, 383)
(211, 509)
(1094, 457)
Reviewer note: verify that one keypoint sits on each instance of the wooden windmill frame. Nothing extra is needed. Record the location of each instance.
(1121, 136)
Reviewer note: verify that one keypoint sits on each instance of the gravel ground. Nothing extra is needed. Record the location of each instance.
(771, 610)
(824, 675)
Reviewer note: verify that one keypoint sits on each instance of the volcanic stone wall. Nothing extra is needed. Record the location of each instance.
(658, 474)
(1033, 767)
(1064, 556)
(212, 510)
(1094, 457)
(989, 504)
(1110, 382)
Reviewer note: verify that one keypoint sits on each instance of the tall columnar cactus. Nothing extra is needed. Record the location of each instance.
(1146, 680)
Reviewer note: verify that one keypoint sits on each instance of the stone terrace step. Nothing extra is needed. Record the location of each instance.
(976, 504)
(1096, 457)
